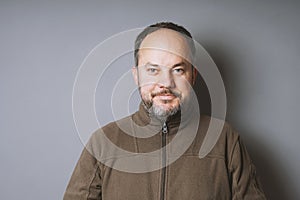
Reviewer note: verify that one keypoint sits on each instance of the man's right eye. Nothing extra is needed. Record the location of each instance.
(152, 70)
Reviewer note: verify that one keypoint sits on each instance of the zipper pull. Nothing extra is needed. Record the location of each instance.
(165, 128)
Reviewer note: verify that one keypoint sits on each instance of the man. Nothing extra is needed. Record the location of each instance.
(165, 75)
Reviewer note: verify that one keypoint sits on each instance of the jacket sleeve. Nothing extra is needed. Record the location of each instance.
(245, 184)
(85, 182)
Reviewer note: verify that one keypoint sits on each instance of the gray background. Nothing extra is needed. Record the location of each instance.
(42, 44)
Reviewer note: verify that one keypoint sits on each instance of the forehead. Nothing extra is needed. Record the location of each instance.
(160, 57)
(165, 44)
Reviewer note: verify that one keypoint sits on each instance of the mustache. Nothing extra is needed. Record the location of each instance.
(166, 91)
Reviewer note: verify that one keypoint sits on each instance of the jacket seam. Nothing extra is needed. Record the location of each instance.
(231, 154)
(254, 181)
(92, 180)
(235, 189)
(135, 140)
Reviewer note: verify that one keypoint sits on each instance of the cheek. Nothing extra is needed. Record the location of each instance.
(147, 89)
(184, 87)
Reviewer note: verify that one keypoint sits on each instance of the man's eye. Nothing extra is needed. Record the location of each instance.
(178, 71)
(152, 70)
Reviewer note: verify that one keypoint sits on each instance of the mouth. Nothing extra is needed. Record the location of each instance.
(165, 97)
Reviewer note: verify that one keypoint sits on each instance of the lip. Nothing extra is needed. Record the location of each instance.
(166, 96)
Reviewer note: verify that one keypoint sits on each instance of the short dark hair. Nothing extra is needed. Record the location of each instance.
(154, 27)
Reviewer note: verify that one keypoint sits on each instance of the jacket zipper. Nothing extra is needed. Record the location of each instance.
(163, 174)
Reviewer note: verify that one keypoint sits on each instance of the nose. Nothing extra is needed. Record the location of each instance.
(166, 80)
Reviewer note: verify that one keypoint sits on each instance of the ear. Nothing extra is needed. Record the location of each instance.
(195, 73)
(135, 75)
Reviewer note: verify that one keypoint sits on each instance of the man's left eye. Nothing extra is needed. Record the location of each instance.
(178, 70)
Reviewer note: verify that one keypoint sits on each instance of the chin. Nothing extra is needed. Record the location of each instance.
(164, 110)
(165, 107)
(166, 104)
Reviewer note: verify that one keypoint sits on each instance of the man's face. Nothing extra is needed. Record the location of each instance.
(163, 74)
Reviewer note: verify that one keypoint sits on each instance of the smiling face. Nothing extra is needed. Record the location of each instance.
(163, 74)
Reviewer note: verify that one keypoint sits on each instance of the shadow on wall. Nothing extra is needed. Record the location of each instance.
(269, 169)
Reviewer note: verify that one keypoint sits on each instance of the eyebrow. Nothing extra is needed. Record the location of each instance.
(152, 64)
(176, 65)
(180, 64)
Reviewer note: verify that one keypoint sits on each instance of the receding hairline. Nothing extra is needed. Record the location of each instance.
(184, 52)
(163, 25)
(165, 30)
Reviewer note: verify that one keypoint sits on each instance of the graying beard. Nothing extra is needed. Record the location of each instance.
(160, 114)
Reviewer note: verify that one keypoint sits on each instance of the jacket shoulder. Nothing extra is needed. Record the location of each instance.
(216, 136)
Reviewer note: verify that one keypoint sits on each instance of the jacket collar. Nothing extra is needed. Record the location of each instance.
(142, 118)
